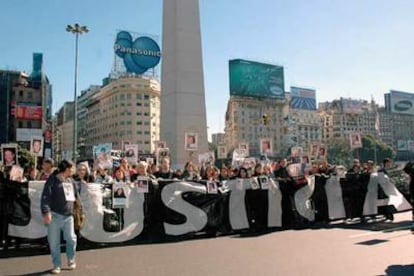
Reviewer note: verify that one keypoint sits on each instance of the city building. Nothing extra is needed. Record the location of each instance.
(218, 139)
(26, 106)
(125, 110)
(399, 114)
(257, 108)
(342, 117)
(64, 132)
(82, 116)
(245, 123)
(305, 127)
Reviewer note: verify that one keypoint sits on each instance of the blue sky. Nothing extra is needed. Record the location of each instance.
(354, 48)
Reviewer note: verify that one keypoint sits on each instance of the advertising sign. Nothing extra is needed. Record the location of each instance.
(303, 98)
(27, 112)
(254, 79)
(402, 102)
(138, 54)
(26, 134)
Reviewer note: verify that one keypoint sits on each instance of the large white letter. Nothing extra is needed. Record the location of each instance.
(395, 198)
(171, 197)
(35, 229)
(274, 214)
(302, 202)
(336, 205)
(91, 196)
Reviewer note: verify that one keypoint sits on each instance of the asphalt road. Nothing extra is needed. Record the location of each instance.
(358, 249)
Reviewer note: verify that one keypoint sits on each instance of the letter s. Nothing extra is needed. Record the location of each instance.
(171, 196)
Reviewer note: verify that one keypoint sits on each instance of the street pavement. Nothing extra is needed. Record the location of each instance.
(338, 249)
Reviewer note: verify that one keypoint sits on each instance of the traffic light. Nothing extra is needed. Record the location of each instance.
(265, 119)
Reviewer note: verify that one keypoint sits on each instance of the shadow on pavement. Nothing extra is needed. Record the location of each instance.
(28, 249)
(400, 270)
(46, 272)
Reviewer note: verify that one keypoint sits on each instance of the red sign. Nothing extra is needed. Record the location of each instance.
(26, 112)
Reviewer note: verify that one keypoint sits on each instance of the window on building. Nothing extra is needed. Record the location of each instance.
(128, 96)
(146, 104)
(139, 113)
(146, 97)
(139, 104)
(122, 97)
(29, 124)
(21, 93)
(146, 113)
(139, 132)
(30, 95)
(146, 132)
(139, 123)
(20, 124)
(129, 123)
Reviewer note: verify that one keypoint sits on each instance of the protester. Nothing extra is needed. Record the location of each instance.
(102, 175)
(191, 172)
(57, 200)
(165, 171)
(83, 175)
(125, 169)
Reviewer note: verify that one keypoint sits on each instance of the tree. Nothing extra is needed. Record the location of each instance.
(374, 149)
(26, 159)
(339, 152)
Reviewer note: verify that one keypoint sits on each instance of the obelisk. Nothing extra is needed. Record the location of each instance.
(183, 107)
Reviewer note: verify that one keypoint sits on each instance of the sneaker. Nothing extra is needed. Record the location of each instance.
(71, 265)
(55, 270)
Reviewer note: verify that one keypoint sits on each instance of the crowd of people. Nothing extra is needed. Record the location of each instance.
(63, 187)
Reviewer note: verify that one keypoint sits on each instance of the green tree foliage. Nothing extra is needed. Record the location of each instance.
(340, 152)
(374, 149)
(26, 159)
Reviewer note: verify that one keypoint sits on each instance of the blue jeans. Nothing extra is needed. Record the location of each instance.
(61, 223)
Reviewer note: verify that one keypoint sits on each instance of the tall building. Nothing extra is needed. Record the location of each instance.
(399, 111)
(342, 117)
(82, 117)
(25, 105)
(64, 132)
(306, 127)
(245, 123)
(126, 109)
(218, 139)
(183, 99)
(257, 106)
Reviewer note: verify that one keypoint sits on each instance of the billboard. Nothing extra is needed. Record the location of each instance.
(402, 102)
(303, 98)
(254, 79)
(27, 112)
(25, 134)
(139, 53)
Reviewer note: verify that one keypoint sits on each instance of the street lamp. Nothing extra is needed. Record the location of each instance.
(76, 29)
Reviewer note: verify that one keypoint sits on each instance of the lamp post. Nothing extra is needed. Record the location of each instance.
(76, 29)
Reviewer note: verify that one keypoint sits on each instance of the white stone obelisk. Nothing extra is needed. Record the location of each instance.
(183, 107)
